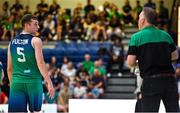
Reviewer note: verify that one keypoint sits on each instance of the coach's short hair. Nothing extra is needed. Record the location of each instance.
(150, 15)
(27, 18)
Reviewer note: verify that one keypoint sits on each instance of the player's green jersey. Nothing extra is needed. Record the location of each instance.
(25, 69)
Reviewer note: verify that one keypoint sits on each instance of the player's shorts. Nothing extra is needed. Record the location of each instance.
(22, 94)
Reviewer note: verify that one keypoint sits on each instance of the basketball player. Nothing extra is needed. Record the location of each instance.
(25, 67)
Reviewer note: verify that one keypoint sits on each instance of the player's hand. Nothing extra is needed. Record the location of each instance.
(50, 90)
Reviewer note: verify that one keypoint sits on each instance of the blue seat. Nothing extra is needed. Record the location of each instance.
(57, 52)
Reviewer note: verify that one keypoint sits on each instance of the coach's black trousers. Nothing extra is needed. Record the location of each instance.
(154, 89)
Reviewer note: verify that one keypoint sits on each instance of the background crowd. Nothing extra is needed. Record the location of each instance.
(83, 23)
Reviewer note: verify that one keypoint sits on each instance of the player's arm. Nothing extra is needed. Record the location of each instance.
(9, 65)
(37, 44)
(131, 60)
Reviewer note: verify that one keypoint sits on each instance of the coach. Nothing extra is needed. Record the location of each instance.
(155, 50)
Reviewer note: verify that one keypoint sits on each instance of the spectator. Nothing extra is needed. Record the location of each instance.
(54, 7)
(127, 13)
(97, 65)
(53, 63)
(63, 99)
(172, 33)
(27, 10)
(5, 10)
(116, 62)
(58, 34)
(89, 7)
(137, 10)
(79, 91)
(70, 72)
(88, 28)
(84, 79)
(66, 60)
(163, 13)
(87, 63)
(76, 28)
(8, 31)
(48, 28)
(115, 28)
(16, 8)
(150, 4)
(41, 13)
(56, 79)
(3, 98)
(98, 82)
(43, 6)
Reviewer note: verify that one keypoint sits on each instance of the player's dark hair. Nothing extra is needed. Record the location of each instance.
(27, 18)
(150, 15)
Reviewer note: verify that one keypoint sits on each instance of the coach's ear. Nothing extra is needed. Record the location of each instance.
(131, 60)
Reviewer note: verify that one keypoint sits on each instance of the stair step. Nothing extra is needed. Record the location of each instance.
(122, 81)
(119, 89)
(119, 96)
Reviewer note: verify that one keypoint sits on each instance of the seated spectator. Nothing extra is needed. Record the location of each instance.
(98, 82)
(54, 7)
(76, 28)
(63, 99)
(48, 28)
(57, 80)
(163, 15)
(70, 72)
(150, 4)
(116, 62)
(16, 8)
(87, 63)
(58, 34)
(127, 13)
(27, 10)
(115, 28)
(137, 10)
(84, 78)
(8, 28)
(53, 63)
(43, 6)
(88, 7)
(65, 62)
(5, 10)
(3, 98)
(79, 91)
(88, 29)
(97, 65)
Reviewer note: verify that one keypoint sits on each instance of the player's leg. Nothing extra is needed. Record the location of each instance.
(17, 98)
(34, 91)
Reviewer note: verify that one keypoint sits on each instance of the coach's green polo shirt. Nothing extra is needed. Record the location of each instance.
(152, 48)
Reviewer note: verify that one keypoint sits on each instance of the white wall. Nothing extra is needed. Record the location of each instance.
(105, 106)
(72, 3)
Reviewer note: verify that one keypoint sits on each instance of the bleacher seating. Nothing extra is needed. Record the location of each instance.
(75, 51)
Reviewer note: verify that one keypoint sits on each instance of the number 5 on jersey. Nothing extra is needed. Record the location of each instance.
(20, 51)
